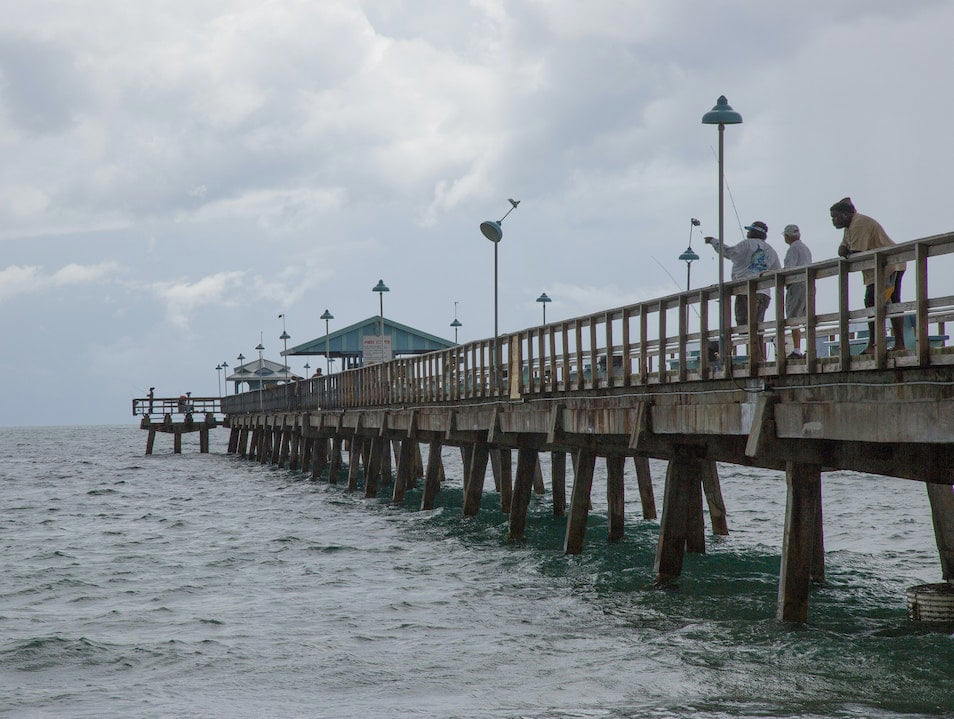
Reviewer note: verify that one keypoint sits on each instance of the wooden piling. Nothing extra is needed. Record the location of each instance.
(277, 433)
(204, 440)
(803, 484)
(177, 442)
(713, 492)
(538, 486)
(673, 527)
(466, 455)
(307, 452)
(319, 458)
(243, 442)
(405, 468)
(233, 440)
(334, 461)
(941, 498)
(432, 477)
(558, 482)
(501, 461)
(150, 441)
(356, 451)
(696, 521)
(644, 481)
(475, 482)
(385, 472)
(615, 497)
(294, 450)
(372, 476)
(579, 502)
(285, 447)
(522, 486)
(266, 448)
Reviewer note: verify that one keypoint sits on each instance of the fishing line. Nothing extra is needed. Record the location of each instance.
(729, 189)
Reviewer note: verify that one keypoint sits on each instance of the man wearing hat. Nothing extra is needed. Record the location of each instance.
(750, 258)
(863, 233)
(798, 255)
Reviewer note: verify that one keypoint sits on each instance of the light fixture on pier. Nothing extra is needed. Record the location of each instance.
(307, 367)
(456, 324)
(225, 375)
(493, 231)
(381, 288)
(284, 337)
(543, 299)
(326, 315)
(689, 256)
(722, 114)
(241, 359)
(218, 374)
(261, 366)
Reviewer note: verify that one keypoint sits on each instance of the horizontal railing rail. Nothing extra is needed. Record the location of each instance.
(659, 341)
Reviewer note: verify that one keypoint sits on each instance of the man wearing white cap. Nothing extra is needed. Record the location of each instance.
(798, 255)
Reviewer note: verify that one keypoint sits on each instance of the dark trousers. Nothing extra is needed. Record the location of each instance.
(897, 323)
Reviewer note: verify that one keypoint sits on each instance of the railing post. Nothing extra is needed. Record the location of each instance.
(880, 341)
(755, 340)
(921, 308)
(703, 335)
(643, 344)
(844, 346)
(610, 358)
(780, 356)
(663, 374)
(811, 351)
(683, 321)
(627, 355)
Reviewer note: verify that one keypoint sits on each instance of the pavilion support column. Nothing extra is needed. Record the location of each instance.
(803, 483)
(243, 442)
(579, 502)
(334, 462)
(713, 491)
(615, 498)
(644, 481)
(941, 497)
(405, 468)
(558, 482)
(354, 454)
(372, 478)
(538, 486)
(150, 441)
(501, 461)
(522, 486)
(204, 440)
(674, 526)
(233, 440)
(696, 527)
(432, 477)
(475, 482)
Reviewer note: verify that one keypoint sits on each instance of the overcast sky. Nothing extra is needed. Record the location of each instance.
(178, 173)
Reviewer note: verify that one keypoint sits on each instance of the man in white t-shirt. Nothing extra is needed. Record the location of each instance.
(798, 255)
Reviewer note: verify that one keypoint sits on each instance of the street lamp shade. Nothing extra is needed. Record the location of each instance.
(241, 357)
(326, 315)
(260, 347)
(689, 255)
(456, 323)
(544, 298)
(284, 336)
(721, 114)
(492, 230)
(380, 287)
(307, 366)
(218, 367)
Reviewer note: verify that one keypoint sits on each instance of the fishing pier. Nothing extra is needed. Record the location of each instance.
(645, 380)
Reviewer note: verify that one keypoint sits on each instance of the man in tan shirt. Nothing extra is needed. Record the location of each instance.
(863, 233)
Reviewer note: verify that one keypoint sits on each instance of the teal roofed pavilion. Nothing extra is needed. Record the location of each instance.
(347, 343)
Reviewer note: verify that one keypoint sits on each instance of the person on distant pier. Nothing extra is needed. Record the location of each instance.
(863, 233)
(151, 395)
(317, 373)
(798, 255)
(750, 258)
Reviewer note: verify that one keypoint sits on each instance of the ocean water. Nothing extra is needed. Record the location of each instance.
(207, 586)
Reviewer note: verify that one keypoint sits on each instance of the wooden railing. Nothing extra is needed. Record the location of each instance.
(159, 406)
(651, 343)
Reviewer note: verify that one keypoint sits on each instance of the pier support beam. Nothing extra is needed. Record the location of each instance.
(334, 461)
(803, 483)
(177, 442)
(285, 447)
(233, 440)
(319, 458)
(405, 468)
(674, 527)
(696, 527)
(432, 477)
(150, 441)
(372, 476)
(558, 482)
(265, 450)
(538, 486)
(474, 489)
(522, 486)
(243, 442)
(307, 452)
(355, 452)
(501, 462)
(713, 491)
(644, 482)
(941, 497)
(615, 496)
(204, 440)
(580, 502)
(294, 450)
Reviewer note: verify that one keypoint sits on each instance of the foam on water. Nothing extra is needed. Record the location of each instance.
(202, 585)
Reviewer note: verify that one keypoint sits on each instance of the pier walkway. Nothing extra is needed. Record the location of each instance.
(641, 381)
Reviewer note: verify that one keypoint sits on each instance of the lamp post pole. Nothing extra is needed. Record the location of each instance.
(241, 359)
(218, 374)
(225, 376)
(493, 231)
(543, 299)
(381, 288)
(722, 114)
(261, 366)
(326, 315)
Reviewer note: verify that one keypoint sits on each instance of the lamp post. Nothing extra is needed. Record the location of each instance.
(225, 376)
(241, 359)
(493, 231)
(456, 324)
(543, 299)
(722, 114)
(261, 365)
(284, 337)
(218, 374)
(307, 367)
(381, 288)
(326, 315)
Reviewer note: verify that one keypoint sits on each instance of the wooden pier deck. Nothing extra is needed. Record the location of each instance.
(621, 383)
